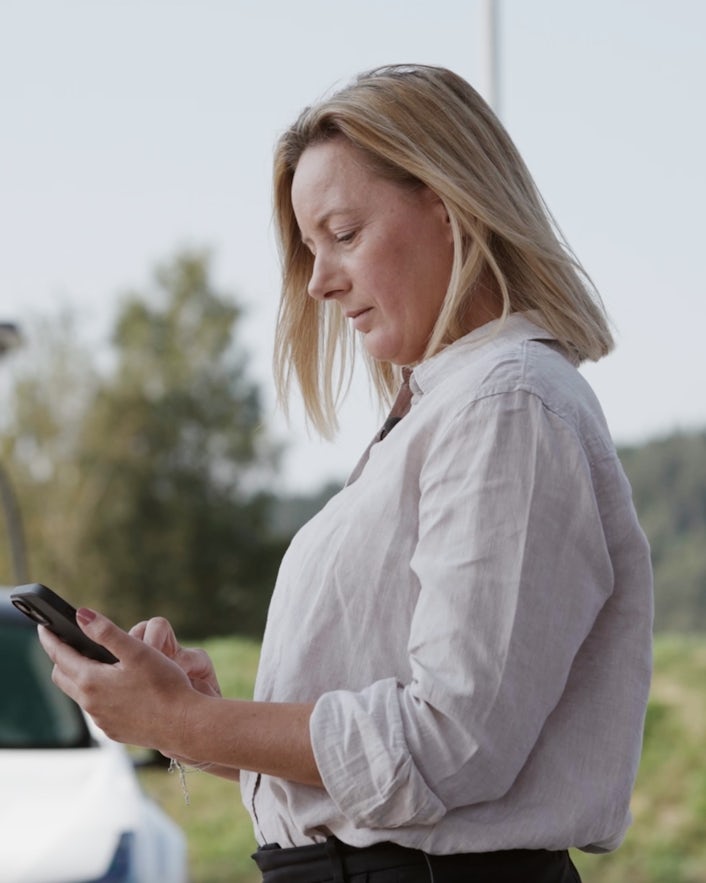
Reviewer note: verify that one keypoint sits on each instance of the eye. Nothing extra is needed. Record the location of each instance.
(345, 237)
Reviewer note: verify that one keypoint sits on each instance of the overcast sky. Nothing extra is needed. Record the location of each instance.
(131, 128)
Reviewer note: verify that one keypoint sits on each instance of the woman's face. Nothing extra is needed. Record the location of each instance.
(382, 252)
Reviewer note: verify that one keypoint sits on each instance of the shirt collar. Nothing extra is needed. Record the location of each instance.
(513, 329)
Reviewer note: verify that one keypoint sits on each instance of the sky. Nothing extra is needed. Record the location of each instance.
(132, 128)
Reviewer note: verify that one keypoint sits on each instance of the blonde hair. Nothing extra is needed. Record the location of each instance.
(417, 124)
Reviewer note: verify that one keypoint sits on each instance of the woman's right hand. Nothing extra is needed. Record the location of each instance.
(195, 663)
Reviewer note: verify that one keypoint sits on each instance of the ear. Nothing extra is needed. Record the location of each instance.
(438, 207)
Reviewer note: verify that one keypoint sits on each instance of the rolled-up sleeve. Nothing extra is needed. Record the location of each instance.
(512, 567)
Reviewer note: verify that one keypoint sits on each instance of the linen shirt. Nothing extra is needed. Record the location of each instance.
(472, 616)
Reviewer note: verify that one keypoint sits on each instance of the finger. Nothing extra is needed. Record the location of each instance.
(57, 650)
(198, 666)
(159, 634)
(68, 663)
(49, 642)
(100, 629)
(196, 663)
(138, 630)
(156, 632)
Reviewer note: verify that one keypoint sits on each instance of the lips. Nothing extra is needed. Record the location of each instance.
(353, 314)
(358, 318)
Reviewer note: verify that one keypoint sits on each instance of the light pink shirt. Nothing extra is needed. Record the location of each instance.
(472, 615)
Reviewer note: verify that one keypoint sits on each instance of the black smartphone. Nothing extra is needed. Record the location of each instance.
(48, 609)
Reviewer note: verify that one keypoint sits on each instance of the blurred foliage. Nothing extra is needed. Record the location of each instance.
(668, 478)
(144, 485)
(52, 383)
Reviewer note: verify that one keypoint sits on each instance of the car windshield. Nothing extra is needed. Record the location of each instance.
(33, 712)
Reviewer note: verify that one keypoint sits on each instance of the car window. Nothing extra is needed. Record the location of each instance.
(33, 712)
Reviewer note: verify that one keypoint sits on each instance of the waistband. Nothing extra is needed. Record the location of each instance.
(335, 860)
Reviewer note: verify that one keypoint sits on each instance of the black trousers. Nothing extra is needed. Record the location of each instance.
(336, 862)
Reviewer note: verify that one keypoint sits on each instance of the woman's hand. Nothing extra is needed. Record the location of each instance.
(196, 664)
(144, 698)
(159, 695)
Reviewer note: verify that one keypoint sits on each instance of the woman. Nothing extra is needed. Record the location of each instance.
(457, 657)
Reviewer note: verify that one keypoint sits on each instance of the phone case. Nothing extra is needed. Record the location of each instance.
(46, 607)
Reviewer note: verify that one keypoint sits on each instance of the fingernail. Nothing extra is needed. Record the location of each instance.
(85, 615)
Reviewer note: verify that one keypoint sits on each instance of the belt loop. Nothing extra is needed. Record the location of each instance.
(339, 873)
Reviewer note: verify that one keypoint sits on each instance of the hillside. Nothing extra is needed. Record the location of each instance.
(668, 478)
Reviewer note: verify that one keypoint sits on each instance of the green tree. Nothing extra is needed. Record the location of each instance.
(49, 386)
(177, 459)
(144, 485)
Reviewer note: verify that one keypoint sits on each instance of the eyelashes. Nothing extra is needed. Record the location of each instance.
(339, 239)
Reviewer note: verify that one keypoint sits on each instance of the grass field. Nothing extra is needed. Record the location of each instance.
(666, 844)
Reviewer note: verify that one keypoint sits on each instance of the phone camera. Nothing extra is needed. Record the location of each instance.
(29, 611)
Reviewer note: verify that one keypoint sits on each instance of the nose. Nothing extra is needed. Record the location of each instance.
(325, 280)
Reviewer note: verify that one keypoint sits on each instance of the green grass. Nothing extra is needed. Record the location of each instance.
(666, 843)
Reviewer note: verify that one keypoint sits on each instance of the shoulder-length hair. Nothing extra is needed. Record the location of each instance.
(417, 124)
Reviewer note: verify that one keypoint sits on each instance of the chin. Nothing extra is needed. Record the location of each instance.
(383, 350)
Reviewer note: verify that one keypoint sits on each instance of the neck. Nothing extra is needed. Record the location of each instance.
(486, 303)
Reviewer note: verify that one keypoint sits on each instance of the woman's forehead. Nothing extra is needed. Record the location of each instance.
(331, 177)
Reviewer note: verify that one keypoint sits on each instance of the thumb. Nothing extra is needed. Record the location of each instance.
(103, 631)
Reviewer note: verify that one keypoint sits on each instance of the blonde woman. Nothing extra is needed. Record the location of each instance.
(457, 658)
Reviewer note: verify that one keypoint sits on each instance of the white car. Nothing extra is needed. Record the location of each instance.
(71, 806)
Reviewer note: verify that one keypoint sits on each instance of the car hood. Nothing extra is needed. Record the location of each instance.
(54, 813)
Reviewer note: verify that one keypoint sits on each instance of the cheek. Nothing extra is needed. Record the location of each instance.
(408, 275)
(427, 283)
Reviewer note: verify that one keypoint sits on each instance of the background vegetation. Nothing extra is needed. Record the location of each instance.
(145, 477)
(668, 478)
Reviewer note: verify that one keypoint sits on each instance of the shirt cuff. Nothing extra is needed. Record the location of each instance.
(364, 761)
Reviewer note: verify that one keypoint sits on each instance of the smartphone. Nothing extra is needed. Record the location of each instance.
(46, 607)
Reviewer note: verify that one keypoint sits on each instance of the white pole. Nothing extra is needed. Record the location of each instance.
(491, 53)
(9, 338)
